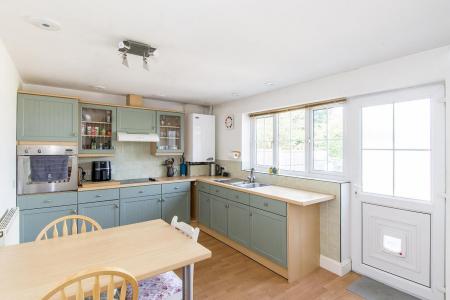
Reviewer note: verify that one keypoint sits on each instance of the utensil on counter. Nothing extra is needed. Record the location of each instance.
(183, 166)
(169, 165)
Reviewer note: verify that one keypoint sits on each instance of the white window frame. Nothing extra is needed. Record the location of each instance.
(309, 172)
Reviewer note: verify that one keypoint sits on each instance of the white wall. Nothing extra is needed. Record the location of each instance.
(114, 99)
(417, 69)
(9, 83)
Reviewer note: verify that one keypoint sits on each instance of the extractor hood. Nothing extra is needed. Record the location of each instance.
(137, 137)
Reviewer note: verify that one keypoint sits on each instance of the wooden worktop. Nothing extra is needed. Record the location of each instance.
(288, 195)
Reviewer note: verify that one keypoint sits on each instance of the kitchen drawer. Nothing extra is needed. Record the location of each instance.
(177, 187)
(267, 204)
(46, 200)
(219, 191)
(98, 195)
(240, 197)
(203, 187)
(140, 191)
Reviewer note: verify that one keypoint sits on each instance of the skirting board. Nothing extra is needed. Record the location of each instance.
(338, 268)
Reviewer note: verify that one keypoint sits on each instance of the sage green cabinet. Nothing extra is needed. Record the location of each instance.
(176, 204)
(106, 213)
(204, 209)
(170, 129)
(97, 129)
(219, 215)
(139, 209)
(268, 235)
(239, 223)
(44, 118)
(134, 120)
(32, 221)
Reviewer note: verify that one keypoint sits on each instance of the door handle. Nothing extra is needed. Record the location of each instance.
(73, 212)
(48, 201)
(116, 205)
(98, 196)
(141, 192)
(266, 204)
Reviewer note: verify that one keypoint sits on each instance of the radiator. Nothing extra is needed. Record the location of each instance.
(9, 227)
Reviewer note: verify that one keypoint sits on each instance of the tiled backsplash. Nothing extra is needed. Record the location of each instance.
(330, 211)
(132, 160)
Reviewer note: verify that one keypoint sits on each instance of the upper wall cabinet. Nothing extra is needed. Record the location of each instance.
(170, 129)
(98, 129)
(45, 118)
(134, 120)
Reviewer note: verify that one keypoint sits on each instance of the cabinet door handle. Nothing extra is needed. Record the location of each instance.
(141, 192)
(237, 196)
(177, 187)
(251, 214)
(73, 212)
(266, 204)
(74, 134)
(48, 201)
(98, 196)
(116, 205)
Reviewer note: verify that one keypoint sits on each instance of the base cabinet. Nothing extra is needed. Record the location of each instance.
(139, 209)
(239, 223)
(176, 204)
(106, 213)
(32, 221)
(219, 215)
(268, 235)
(204, 209)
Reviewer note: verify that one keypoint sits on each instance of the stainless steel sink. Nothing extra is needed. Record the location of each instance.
(229, 181)
(250, 185)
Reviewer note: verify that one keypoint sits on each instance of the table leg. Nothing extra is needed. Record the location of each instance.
(188, 282)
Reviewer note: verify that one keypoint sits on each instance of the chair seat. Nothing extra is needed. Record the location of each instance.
(164, 286)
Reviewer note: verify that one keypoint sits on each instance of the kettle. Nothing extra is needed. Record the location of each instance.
(219, 170)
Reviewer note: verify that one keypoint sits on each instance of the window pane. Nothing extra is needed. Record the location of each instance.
(291, 140)
(412, 124)
(412, 174)
(377, 127)
(328, 139)
(264, 141)
(377, 166)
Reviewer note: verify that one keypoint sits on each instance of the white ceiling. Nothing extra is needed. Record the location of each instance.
(214, 51)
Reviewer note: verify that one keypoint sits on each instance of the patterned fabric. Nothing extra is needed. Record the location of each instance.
(160, 287)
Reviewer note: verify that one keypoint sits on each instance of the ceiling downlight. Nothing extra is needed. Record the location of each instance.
(44, 23)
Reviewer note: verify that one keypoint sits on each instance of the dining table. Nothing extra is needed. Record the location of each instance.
(146, 249)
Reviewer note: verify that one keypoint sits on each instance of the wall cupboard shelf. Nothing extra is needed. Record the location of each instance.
(170, 129)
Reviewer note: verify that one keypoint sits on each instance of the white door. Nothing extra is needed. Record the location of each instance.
(398, 205)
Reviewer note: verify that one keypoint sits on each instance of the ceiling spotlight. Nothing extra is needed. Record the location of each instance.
(268, 83)
(145, 63)
(43, 23)
(125, 60)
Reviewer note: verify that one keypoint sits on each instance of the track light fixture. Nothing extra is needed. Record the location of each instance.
(136, 48)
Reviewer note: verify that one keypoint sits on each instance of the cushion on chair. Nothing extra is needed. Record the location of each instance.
(163, 286)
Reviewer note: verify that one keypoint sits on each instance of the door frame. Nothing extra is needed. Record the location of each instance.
(436, 207)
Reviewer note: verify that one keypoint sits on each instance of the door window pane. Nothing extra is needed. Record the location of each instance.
(328, 139)
(377, 127)
(291, 140)
(412, 174)
(264, 141)
(377, 166)
(412, 124)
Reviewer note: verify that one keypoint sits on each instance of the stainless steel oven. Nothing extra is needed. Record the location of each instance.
(46, 168)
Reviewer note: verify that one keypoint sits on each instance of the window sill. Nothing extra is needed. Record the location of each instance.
(317, 178)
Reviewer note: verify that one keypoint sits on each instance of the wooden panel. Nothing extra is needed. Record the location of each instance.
(177, 187)
(99, 195)
(32, 221)
(42, 118)
(268, 235)
(274, 206)
(204, 209)
(140, 209)
(219, 218)
(239, 223)
(140, 191)
(46, 200)
(176, 204)
(106, 213)
(134, 120)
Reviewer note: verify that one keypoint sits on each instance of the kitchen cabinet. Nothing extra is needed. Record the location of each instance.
(134, 120)
(45, 118)
(204, 209)
(106, 213)
(32, 221)
(268, 235)
(239, 223)
(139, 209)
(170, 129)
(176, 204)
(219, 215)
(97, 129)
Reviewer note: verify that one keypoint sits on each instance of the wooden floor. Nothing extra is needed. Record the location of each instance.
(232, 275)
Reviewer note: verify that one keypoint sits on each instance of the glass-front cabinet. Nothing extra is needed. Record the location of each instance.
(98, 129)
(170, 128)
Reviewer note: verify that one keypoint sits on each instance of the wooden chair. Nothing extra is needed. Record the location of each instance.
(65, 227)
(168, 285)
(95, 284)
